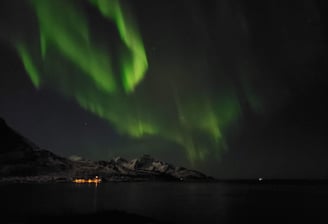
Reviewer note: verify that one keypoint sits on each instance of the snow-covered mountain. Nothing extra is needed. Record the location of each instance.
(23, 161)
(144, 168)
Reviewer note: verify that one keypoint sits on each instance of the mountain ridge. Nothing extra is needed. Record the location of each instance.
(23, 161)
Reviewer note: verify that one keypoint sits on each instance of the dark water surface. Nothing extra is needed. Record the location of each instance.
(175, 202)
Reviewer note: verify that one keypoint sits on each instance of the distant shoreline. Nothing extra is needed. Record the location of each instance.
(272, 181)
(126, 179)
(123, 179)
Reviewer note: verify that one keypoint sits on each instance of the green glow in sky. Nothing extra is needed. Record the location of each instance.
(63, 26)
(31, 69)
(133, 70)
(77, 61)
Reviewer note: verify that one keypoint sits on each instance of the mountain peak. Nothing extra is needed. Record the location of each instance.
(21, 159)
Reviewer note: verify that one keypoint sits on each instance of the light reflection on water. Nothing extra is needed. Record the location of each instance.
(173, 202)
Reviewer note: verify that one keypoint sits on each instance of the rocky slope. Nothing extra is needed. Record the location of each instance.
(23, 161)
(21, 157)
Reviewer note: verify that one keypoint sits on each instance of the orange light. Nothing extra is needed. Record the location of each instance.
(96, 180)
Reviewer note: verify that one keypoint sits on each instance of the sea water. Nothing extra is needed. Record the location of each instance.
(174, 202)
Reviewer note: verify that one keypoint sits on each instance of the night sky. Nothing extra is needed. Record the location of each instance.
(233, 88)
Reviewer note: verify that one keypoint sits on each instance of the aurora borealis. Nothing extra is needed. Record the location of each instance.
(191, 78)
(68, 32)
(104, 79)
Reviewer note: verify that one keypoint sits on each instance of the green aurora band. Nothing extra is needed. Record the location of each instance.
(111, 83)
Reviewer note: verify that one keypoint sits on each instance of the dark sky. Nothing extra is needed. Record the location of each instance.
(233, 88)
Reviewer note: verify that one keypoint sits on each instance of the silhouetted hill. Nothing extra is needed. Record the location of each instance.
(20, 157)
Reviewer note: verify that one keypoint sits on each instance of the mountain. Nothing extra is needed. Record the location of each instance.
(23, 161)
(144, 168)
(21, 157)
